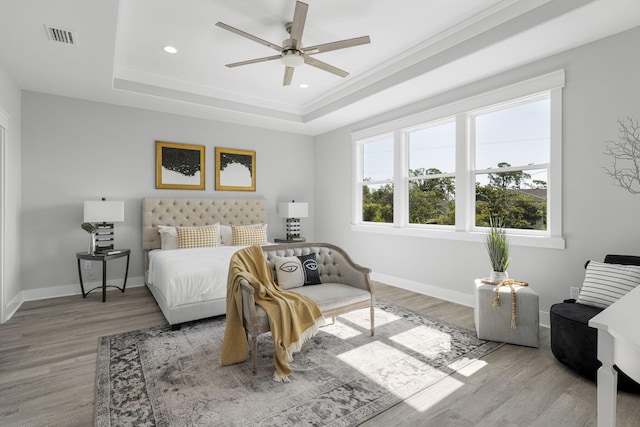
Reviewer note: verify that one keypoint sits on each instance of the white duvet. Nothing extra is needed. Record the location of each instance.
(191, 275)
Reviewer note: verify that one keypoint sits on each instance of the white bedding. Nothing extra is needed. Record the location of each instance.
(190, 275)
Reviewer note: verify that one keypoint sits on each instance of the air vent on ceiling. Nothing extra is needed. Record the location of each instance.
(60, 35)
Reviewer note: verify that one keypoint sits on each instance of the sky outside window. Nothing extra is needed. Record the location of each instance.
(378, 160)
(516, 135)
(433, 148)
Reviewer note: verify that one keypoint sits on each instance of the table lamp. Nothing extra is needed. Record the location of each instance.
(293, 211)
(103, 214)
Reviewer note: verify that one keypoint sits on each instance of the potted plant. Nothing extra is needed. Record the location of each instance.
(498, 248)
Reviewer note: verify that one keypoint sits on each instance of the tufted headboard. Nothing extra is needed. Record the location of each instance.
(197, 212)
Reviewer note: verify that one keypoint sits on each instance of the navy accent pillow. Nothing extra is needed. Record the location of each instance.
(310, 268)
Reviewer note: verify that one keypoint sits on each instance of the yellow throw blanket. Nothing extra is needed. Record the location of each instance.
(293, 317)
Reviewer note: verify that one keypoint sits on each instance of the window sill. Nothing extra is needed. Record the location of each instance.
(451, 234)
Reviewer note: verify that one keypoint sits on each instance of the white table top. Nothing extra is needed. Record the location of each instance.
(622, 321)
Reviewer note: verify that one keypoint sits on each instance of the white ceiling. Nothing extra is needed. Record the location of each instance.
(418, 48)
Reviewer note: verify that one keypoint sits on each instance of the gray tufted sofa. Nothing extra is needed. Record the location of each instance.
(345, 287)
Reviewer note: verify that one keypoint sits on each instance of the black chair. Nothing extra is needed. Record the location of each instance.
(575, 343)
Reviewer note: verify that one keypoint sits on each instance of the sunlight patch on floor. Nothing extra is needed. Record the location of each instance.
(432, 395)
(424, 340)
(358, 326)
(472, 368)
(375, 360)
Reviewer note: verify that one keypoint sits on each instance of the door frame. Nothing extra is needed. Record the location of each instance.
(4, 124)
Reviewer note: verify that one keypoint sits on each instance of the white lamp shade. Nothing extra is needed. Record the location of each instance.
(103, 211)
(293, 209)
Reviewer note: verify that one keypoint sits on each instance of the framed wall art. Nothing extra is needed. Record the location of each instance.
(235, 169)
(180, 166)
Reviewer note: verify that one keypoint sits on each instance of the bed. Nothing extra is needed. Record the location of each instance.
(190, 284)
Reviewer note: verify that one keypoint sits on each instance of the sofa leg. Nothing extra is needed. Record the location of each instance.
(254, 354)
(373, 318)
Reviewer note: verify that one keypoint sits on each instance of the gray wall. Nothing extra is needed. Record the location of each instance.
(10, 103)
(601, 86)
(75, 150)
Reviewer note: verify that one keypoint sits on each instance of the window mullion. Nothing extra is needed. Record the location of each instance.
(463, 179)
(356, 215)
(400, 179)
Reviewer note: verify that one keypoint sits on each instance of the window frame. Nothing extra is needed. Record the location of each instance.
(462, 112)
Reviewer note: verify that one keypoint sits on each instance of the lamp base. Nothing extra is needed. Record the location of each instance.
(293, 228)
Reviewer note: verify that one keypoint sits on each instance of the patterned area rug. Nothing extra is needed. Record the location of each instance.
(342, 377)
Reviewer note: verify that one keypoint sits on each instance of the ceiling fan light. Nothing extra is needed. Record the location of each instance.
(292, 58)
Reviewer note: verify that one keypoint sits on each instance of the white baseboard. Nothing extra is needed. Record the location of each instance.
(12, 307)
(64, 291)
(438, 292)
(424, 289)
(544, 319)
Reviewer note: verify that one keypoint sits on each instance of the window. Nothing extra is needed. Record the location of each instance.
(376, 180)
(431, 181)
(445, 172)
(514, 140)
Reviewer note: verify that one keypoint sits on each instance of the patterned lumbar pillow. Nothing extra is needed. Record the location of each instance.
(249, 235)
(289, 272)
(310, 268)
(197, 237)
(605, 283)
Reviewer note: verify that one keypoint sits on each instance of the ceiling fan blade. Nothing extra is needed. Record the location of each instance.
(297, 26)
(342, 44)
(253, 61)
(288, 76)
(324, 66)
(249, 36)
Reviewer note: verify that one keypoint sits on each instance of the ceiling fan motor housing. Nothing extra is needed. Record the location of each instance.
(292, 57)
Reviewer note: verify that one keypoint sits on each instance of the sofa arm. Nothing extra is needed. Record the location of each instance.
(341, 269)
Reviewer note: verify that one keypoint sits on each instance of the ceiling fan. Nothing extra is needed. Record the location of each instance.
(292, 54)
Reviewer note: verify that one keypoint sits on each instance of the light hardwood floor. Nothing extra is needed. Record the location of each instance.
(48, 361)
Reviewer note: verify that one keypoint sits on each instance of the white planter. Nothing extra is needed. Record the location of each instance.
(498, 276)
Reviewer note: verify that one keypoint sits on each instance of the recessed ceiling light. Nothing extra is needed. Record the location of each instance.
(170, 49)
(303, 85)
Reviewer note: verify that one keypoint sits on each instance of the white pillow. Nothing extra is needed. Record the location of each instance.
(168, 237)
(225, 235)
(289, 272)
(606, 283)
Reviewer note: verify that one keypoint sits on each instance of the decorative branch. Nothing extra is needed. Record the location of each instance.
(625, 153)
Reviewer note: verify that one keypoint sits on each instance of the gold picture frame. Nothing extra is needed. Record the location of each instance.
(180, 166)
(235, 169)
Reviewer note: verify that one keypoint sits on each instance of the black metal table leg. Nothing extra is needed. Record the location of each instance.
(81, 284)
(104, 280)
(126, 273)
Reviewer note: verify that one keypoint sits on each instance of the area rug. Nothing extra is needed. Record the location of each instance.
(342, 377)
